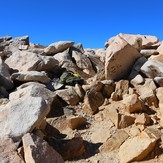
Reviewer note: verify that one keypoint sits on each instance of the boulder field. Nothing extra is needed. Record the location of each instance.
(109, 109)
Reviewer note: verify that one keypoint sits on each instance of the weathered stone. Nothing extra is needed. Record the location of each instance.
(5, 80)
(121, 89)
(58, 47)
(8, 151)
(142, 119)
(92, 101)
(108, 88)
(149, 41)
(115, 141)
(152, 69)
(111, 112)
(116, 65)
(101, 53)
(102, 131)
(136, 67)
(27, 76)
(26, 113)
(75, 122)
(160, 48)
(132, 103)
(147, 95)
(83, 62)
(148, 52)
(35, 90)
(135, 149)
(68, 95)
(38, 150)
(125, 121)
(28, 61)
(79, 90)
(159, 81)
(133, 40)
(138, 79)
(159, 93)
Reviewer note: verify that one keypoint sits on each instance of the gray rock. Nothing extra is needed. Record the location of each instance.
(21, 116)
(152, 69)
(58, 47)
(28, 61)
(27, 76)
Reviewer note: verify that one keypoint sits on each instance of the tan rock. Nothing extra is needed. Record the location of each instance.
(126, 120)
(68, 95)
(149, 41)
(28, 61)
(8, 151)
(37, 150)
(83, 62)
(108, 88)
(102, 131)
(138, 79)
(147, 95)
(75, 122)
(133, 40)
(58, 47)
(159, 93)
(142, 119)
(160, 48)
(116, 65)
(132, 103)
(111, 112)
(121, 89)
(115, 141)
(135, 149)
(92, 101)
(148, 52)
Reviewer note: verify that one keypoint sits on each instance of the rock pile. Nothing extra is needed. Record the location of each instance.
(116, 115)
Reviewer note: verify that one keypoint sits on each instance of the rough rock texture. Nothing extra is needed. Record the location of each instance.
(37, 150)
(27, 76)
(28, 61)
(8, 151)
(116, 65)
(27, 113)
(58, 47)
(114, 114)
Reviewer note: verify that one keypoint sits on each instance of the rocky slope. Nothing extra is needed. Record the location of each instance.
(115, 115)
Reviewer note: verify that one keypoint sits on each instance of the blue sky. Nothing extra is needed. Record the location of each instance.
(90, 22)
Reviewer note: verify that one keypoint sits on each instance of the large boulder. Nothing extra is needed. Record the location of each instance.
(21, 116)
(28, 61)
(58, 47)
(116, 65)
(38, 150)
